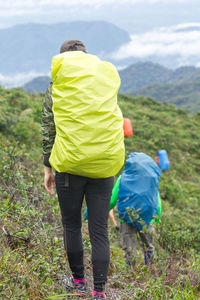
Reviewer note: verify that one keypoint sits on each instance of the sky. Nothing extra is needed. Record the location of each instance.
(162, 28)
(154, 25)
(132, 15)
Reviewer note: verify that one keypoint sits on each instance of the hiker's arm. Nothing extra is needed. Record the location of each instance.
(48, 127)
(158, 217)
(111, 215)
(49, 180)
(114, 197)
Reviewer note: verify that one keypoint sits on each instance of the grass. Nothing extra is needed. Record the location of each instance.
(32, 258)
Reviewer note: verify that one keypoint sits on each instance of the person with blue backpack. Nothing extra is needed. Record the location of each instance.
(136, 193)
(130, 236)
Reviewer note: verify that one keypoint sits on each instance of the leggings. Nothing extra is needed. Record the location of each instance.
(71, 190)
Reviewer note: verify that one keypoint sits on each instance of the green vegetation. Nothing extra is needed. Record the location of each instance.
(185, 94)
(32, 255)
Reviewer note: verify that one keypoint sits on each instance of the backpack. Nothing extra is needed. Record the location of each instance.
(89, 138)
(127, 126)
(163, 160)
(138, 190)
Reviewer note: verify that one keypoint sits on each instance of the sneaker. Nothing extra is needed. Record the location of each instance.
(77, 286)
(98, 296)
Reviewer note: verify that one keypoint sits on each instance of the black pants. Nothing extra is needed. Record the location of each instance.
(71, 190)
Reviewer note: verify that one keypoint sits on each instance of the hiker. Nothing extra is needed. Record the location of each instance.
(136, 194)
(130, 236)
(83, 142)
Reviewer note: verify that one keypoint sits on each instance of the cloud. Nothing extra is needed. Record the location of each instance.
(182, 40)
(19, 79)
(20, 7)
(33, 3)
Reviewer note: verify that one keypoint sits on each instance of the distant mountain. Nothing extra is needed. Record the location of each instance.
(26, 50)
(37, 85)
(184, 73)
(180, 87)
(132, 78)
(141, 74)
(30, 47)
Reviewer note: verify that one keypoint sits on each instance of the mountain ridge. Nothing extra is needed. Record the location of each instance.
(30, 47)
(179, 87)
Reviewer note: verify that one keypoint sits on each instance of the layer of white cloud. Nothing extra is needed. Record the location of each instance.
(182, 40)
(185, 26)
(19, 79)
(20, 7)
(32, 3)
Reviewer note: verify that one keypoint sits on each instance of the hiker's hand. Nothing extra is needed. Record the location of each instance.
(49, 180)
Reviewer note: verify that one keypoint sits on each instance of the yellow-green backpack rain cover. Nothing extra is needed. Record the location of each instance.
(89, 124)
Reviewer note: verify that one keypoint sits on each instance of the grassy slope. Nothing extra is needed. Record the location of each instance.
(32, 260)
(166, 127)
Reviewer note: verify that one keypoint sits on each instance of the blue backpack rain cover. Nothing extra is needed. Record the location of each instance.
(138, 190)
(163, 160)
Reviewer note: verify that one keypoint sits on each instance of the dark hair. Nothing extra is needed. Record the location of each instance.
(72, 45)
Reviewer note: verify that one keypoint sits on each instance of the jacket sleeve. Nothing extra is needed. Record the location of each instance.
(159, 212)
(48, 126)
(114, 197)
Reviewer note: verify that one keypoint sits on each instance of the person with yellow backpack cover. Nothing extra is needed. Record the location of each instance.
(83, 142)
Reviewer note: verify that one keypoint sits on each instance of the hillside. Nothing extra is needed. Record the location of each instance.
(32, 257)
(30, 47)
(185, 94)
(141, 74)
(179, 87)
